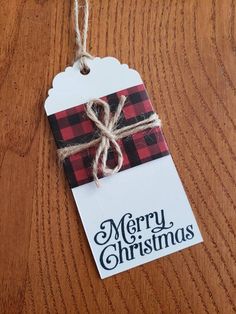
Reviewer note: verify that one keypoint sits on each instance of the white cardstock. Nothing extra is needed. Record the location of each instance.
(139, 214)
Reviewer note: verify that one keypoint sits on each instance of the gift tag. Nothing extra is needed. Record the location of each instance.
(140, 213)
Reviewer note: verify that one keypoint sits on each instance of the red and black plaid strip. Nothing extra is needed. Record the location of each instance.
(72, 126)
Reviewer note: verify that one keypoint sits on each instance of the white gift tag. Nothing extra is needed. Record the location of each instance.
(141, 213)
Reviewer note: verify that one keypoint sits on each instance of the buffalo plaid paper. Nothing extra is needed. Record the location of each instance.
(72, 126)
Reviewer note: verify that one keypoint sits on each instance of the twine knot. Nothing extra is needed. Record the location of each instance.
(109, 134)
(81, 58)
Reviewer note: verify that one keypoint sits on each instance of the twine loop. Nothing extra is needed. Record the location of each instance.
(110, 133)
(81, 36)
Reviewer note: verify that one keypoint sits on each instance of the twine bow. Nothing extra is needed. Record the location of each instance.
(109, 134)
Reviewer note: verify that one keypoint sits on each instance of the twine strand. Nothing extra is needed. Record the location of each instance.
(109, 134)
(81, 36)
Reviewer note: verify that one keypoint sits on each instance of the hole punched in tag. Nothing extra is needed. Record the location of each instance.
(81, 37)
(85, 70)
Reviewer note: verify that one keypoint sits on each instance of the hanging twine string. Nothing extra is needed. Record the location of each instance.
(81, 36)
(109, 134)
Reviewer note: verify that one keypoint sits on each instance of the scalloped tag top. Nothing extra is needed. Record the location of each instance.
(142, 212)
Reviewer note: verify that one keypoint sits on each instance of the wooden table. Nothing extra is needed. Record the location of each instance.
(186, 54)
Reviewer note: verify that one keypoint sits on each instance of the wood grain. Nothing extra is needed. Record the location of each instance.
(186, 54)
